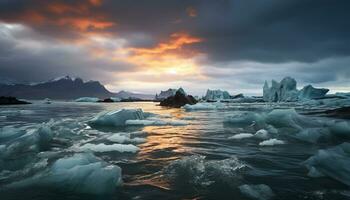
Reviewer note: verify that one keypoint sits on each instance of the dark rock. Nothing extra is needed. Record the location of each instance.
(342, 113)
(108, 100)
(178, 100)
(237, 96)
(11, 101)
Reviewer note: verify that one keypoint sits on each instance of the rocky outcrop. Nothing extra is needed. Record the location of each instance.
(178, 100)
(11, 101)
(286, 91)
(165, 94)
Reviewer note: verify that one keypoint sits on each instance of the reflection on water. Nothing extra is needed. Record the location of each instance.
(204, 154)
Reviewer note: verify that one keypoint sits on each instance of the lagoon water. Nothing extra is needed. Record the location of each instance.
(211, 153)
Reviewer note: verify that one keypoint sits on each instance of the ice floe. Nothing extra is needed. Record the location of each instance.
(241, 136)
(80, 173)
(118, 117)
(258, 192)
(333, 162)
(106, 148)
(271, 142)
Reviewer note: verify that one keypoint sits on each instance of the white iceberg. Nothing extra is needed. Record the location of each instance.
(204, 106)
(125, 138)
(87, 99)
(106, 148)
(241, 136)
(80, 173)
(271, 142)
(286, 90)
(118, 117)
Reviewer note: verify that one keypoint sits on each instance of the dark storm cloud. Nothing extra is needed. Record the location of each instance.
(266, 31)
(307, 39)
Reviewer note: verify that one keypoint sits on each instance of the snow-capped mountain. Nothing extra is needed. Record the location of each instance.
(64, 87)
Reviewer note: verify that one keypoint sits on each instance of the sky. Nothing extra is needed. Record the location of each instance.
(151, 45)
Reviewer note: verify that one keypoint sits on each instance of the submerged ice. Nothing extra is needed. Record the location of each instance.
(81, 173)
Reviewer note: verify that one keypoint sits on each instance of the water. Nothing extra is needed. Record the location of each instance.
(193, 161)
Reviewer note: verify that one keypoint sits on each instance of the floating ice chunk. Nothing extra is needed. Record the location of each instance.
(9, 132)
(118, 118)
(262, 134)
(203, 106)
(87, 99)
(105, 148)
(333, 162)
(245, 119)
(241, 136)
(80, 173)
(271, 142)
(259, 192)
(125, 138)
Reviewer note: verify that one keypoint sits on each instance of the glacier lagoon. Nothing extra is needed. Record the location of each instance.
(75, 150)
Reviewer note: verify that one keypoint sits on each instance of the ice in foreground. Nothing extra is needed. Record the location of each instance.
(80, 173)
(259, 192)
(333, 162)
(118, 117)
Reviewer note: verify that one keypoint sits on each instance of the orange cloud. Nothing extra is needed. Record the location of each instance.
(84, 24)
(167, 58)
(176, 42)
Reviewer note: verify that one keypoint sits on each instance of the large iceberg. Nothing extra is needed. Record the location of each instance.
(286, 90)
(80, 173)
(215, 95)
(309, 92)
(118, 118)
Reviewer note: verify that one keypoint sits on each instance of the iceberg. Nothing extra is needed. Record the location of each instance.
(286, 91)
(87, 99)
(241, 136)
(118, 117)
(309, 92)
(106, 148)
(203, 106)
(215, 95)
(271, 142)
(259, 192)
(80, 173)
(125, 138)
(333, 162)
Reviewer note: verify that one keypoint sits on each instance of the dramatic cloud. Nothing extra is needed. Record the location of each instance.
(148, 45)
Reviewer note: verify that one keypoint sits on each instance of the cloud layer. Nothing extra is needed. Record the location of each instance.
(151, 45)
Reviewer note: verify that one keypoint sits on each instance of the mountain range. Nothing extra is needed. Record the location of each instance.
(65, 87)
